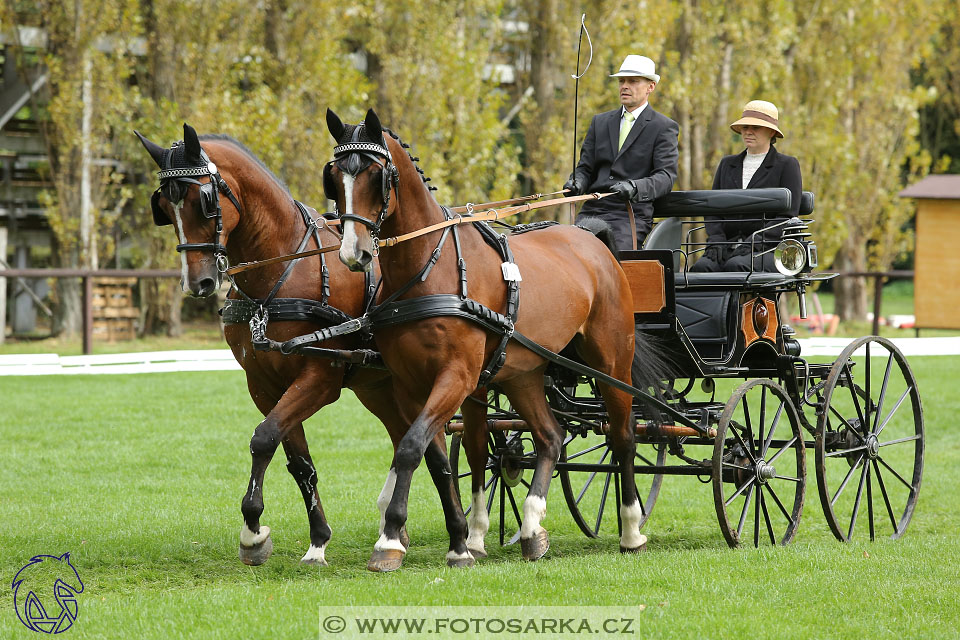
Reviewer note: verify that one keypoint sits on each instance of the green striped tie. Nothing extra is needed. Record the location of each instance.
(625, 127)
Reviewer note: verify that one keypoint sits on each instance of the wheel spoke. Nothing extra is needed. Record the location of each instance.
(756, 518)
(513, 504)
(748, 483)
(763, 413)
(894, 472)
(856, 503)
(846, 422)
(746, 507)
(899, 440)
(883, 391)
(776, 499)
(493, 490)
(748, 426)
(743, 444)
(784, 448)
(894, 410)
(603, 502)
(593, 475)
(788, 478)
(853, 393)
(766, 518)
(870, 504)
(525, 483)
(846, 480)
(886, 498)
(645, 461)
(773, 427)
(586, 451)
(843, 452)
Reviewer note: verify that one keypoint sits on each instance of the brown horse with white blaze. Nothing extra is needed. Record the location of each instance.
(225, 204)
(573, 290)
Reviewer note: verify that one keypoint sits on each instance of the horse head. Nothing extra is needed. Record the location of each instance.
(189, 199)
(360, 180)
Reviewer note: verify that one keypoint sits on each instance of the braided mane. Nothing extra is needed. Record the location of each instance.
(413, 159)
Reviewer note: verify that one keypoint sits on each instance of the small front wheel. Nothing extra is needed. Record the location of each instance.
(759, 466)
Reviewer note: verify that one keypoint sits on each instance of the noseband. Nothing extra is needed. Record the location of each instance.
(380, 155)
(209, 199)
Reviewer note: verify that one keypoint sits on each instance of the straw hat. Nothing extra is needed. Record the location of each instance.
(760, 113)
(637, 66)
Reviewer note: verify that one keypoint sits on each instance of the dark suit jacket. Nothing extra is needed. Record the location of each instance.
(777, 170)
(648, 158)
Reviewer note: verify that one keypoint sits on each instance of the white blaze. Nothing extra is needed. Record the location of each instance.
(183, 240)
(348, 246)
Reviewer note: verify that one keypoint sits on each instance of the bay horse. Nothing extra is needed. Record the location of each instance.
(573, 291)
(256, 218)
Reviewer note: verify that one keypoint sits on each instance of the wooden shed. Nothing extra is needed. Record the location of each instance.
(936, 292)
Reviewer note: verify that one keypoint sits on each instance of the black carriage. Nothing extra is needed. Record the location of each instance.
(859, 414)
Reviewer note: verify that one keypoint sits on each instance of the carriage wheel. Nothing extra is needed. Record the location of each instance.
(505, 481)
(759, 465)
(588, 492)
(869, 441)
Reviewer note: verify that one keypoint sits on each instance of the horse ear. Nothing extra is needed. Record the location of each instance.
(372, 126)
(156, 151)
(335, 125)
(192, 142)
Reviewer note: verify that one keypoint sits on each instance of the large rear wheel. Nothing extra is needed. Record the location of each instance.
(869, 441)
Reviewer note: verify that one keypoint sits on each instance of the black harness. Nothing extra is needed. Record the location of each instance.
(173, 185)
(174, 181)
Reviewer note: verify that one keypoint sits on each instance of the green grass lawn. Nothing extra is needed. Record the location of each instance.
(140, 478)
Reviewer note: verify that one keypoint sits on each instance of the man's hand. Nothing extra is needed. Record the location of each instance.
(625, 189)
(572, 187)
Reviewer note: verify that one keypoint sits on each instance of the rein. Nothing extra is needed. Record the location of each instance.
(487, 216)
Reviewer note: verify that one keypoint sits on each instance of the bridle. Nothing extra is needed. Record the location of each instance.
(378, 154)
(209, 199)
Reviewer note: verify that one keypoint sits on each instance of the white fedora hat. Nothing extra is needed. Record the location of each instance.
(637, 66)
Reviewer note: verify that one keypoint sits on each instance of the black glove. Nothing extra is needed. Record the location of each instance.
(572, 186)
(713, 252)
(625, 189)
(743, 249)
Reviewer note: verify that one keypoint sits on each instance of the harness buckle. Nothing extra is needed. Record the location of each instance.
(222, 263)
(258, 325)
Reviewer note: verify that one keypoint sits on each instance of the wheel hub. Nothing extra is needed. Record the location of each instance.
(511, 473)
(873, 447)
(765, 471)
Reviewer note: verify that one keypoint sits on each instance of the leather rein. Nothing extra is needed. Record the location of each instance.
(488, 213)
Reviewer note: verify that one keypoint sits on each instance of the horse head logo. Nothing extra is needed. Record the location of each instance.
(41, 576)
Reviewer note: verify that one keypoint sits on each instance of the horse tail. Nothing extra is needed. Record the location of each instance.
(651, 365)
(602, 230)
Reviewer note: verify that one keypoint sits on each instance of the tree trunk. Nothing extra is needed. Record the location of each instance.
(850, 294)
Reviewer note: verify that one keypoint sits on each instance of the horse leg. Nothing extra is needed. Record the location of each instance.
(294, 406)
(527, 398)
(474, 441)
(623, 441)
(449, 390)
(300, 466)
(439, 466)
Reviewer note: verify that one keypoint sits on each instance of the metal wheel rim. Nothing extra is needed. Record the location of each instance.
(773, 512)
(881, 472)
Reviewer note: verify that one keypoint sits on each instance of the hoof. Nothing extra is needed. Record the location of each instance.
(638, 549)
(536, 547)
(258, 553)
(386, 560)
(460, 562)
(404, 537)
(477, 553)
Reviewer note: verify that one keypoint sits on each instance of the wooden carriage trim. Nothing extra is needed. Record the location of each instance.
(646, 278)
(751, 332)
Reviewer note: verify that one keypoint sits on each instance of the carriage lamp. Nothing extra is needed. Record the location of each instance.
(790, 257)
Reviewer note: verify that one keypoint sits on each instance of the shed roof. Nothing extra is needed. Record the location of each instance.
(946, 186)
